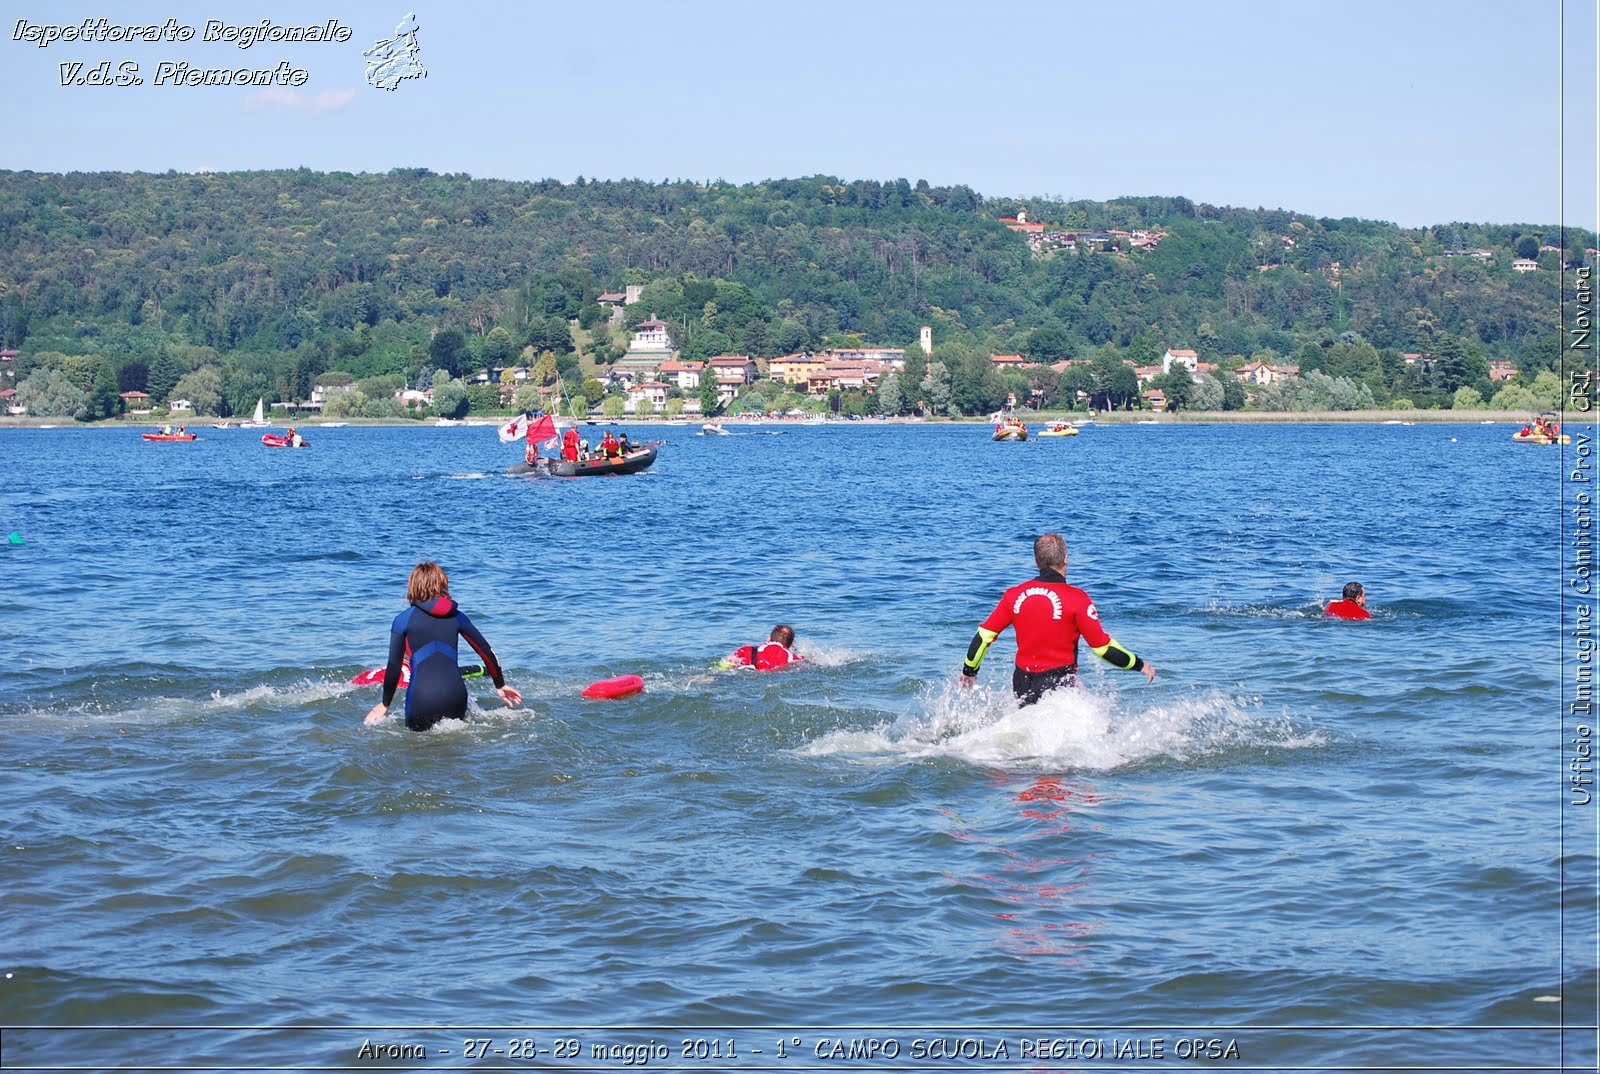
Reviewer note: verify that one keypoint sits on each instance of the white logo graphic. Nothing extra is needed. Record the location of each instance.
(1037, 591)
(1094, 613)
(391, 62)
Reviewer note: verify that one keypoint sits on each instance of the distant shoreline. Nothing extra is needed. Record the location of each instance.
(1120, 417)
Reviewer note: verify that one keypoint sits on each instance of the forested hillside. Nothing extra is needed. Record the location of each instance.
(277, 277)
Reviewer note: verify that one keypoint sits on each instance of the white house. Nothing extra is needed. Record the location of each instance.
(654, 390)
(1262, 374)
(685, 375)
(651, 335)
(727, 366)
(179, 406)
(1525, 264)
(1186, 358)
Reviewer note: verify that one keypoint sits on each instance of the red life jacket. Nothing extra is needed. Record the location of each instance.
(1346, 609)
(768, 656)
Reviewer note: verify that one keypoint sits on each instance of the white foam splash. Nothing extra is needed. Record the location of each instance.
(829, 656)
(300, 693)
(1087, 728)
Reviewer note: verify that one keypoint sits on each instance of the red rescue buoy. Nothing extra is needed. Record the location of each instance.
(621, 686)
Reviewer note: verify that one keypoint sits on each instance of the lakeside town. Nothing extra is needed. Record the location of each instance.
(686, 347)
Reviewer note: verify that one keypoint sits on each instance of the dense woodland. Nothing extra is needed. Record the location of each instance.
(263, 282)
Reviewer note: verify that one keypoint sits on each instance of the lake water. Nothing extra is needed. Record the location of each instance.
(1324, 844)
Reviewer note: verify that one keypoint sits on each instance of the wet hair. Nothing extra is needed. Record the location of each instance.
(1352, 590)
(1050, 551)
(428, 580)
(783, 634)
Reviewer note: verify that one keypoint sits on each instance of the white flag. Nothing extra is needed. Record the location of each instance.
(514, 429)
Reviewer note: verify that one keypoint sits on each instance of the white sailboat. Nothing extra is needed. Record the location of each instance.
(260, 420)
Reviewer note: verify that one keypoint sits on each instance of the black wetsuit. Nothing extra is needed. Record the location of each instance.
(428, 634)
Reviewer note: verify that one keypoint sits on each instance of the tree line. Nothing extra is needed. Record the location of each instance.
(260, 283)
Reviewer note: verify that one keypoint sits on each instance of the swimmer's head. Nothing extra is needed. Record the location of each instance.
(428, 581)
(1050, 552)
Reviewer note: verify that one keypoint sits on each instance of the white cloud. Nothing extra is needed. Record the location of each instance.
(294, 101)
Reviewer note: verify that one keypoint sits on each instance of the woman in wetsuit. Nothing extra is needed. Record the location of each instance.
(427, 633)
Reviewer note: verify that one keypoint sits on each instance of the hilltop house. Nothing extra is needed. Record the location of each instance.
(651, 336)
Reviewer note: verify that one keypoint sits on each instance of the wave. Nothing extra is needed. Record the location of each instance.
(1089, 728)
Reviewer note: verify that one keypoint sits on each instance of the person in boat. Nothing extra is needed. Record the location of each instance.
(183, 430)
(1352, 606)
(428, 633)
(293, 437)
(624, 445)
(609, 446)
(1527, 430)
(1049, 616)
(569, 445)
(774, 653)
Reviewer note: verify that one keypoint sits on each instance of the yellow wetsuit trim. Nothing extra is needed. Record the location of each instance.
(980, 645)
(1114, 654)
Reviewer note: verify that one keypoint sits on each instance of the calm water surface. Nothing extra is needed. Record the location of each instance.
(1303, 825)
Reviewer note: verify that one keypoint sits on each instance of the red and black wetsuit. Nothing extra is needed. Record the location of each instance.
(428, 634)
(569, 445)
(1346, 609)
(768, 656)
(1049, 616)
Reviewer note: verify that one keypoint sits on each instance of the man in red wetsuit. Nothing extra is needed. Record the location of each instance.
(1353, 606)
(569, 445)
(771, 655)
(1049, 616)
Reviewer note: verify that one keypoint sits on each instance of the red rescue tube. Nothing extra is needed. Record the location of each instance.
(621, 686)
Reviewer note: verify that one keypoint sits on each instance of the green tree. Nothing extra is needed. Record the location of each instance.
(483, 398)
(165, 372)
(710, 400)
(133, 377)
(614, 406)
(102, 401)
(203, 388)
(498, 347)
(544, 370)
(890, 397)
(578, 407)
(1049, 344)
(345, 403)
(1528, 247)
(1466, 398)
(1115, 382)
(935, 390)
(47, 393)
(593, 390)
(450, 398)
(1178, 386)
(448, 351)
(1513, 397)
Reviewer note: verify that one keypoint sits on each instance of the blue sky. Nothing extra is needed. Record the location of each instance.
(1420, 112)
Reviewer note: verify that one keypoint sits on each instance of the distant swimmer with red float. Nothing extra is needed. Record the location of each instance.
(771, 655)
(1353, 606)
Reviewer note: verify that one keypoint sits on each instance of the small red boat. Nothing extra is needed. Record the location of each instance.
(274, 440)
(168, 437)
